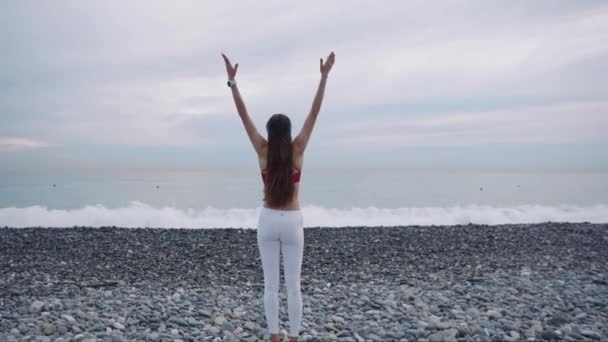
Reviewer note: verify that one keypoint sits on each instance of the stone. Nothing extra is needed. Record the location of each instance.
(70, 319)
(444, 325)
(205, 313)
(227, 326)
(37, 306)
(23, 329)
(558, 320)
(337, 319)
(550, 335)
(117, 337)
(591, 334)
(513, 336)
(494, 314)
(436, 337)
(219, 320)
(179, 321)
(343, 333)
(48, 328)
(230, 337)
(61, 329)
(118, 326)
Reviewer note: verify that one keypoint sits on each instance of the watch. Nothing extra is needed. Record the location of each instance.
(231, 83)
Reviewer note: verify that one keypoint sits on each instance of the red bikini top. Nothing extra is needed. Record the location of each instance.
(296, 175)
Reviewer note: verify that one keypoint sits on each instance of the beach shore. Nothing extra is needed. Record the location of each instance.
(544, 281)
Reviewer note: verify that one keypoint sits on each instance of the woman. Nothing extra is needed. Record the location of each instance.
(280, 225)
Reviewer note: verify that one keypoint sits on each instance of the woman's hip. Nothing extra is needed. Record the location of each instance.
(280, 223)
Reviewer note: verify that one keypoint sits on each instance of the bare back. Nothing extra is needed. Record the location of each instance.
(298, 163)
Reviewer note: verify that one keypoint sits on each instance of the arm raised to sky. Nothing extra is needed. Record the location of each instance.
(257, 140)
(301, 140)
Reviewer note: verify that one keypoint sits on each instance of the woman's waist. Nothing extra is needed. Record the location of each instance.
(284, 212)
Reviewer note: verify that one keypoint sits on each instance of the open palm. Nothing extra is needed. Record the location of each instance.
(230, 70)
(326, 67)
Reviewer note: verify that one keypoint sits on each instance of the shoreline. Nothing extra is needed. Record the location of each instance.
(462, 282)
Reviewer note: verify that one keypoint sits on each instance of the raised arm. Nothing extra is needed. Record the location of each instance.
(257, 140)
(301, 140)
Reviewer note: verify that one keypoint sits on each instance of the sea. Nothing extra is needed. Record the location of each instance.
(196, 197)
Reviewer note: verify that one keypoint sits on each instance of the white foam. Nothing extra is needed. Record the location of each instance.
(139, 214)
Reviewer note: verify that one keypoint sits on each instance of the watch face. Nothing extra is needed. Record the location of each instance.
(231, 83)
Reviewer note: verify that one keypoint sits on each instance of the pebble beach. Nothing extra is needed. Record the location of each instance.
(518, 282)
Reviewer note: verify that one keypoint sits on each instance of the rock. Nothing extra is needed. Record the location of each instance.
(444, 325)
(448, 335)
(513, 336)
(494, 314)
(179, 321)
(343, 333)
(463, 330)
(452, 332)
(558, 320)
(117, 337)
(436, 337)
(61, 329)
(37, 306)
(374, 337)
(118, 326)
(205, 313)
(70, 319)
(358, 338)
(229, 337)
(215, 331)
(550, 335)
(227, 326)
(48, 328)
(83, 315)
(23, 329)
(219, 320)
(591, 334)
(337, 319)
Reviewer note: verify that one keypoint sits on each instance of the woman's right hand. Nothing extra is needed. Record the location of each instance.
(230, 70)
(326, 67)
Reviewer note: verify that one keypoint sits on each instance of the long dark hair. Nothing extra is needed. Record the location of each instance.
(279, 182)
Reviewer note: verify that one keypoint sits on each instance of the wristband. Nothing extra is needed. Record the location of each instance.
(231, 83)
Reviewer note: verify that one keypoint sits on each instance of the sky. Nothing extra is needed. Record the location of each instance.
(415, 83)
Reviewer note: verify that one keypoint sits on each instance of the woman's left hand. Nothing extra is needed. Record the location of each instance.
(230, 70)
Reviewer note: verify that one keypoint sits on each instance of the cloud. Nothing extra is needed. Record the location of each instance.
(146, 73)
(8, 143)
(554, 124)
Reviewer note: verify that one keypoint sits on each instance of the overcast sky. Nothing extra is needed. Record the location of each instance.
(449, 83)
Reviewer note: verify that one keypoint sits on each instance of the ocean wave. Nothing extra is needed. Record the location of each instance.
(139, 214)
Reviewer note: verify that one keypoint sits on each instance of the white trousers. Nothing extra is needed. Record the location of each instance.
(281, 231)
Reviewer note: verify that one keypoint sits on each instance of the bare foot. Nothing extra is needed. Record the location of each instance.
(293, 338)
(274, 338)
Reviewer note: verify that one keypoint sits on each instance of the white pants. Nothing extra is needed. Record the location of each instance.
(281, 231)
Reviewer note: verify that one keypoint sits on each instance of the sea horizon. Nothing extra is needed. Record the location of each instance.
(231, 197)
